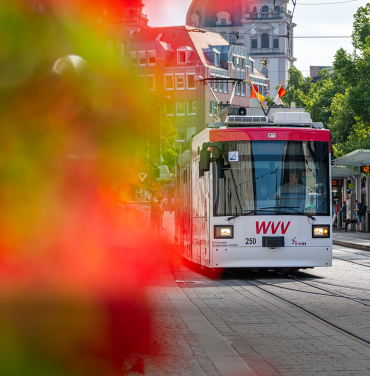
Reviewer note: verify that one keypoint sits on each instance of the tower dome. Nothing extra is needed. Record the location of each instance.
(214, 13)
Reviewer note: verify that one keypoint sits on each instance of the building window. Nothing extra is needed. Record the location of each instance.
(254, 43)
(265, 41)
(265, 9)
(181, 134)
(133, 57)
(142, 58)
(226, 87)
(151, 83)
(169, 108)
(190, 131)
(181, 57)
(215, 83)
(151, 57)
(180, 108)
(217, 59)
(180, 82)
(243, 89)
(123, 50)
(275, 42)
(192, 107)
(190, 81)
(213, 111)
(168, 82)
(143, 81)
(110, 46)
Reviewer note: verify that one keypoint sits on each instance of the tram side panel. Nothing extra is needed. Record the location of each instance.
(201, 204)
(200, 197)
(183, 215)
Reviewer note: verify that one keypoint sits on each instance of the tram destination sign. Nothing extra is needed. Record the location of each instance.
(365, 169)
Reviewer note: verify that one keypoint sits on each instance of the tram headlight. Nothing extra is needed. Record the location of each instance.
(321, 231)
(224, 232)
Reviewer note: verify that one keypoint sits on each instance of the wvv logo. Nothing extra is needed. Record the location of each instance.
(274, 228)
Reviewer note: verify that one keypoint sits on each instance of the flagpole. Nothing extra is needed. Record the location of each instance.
(257, 97)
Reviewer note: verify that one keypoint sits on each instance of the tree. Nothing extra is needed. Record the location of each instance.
(169, 146)
(298, 88)
(361, 27)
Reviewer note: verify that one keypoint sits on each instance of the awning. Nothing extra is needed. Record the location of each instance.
(358, 157)
(338, 172)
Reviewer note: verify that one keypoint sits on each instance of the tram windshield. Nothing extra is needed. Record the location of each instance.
(271, 178)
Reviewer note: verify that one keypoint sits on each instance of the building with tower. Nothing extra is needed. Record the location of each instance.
(266, 32)
(127, 14)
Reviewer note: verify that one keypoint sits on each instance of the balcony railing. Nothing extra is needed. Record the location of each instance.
(131, 19)
(261, 15)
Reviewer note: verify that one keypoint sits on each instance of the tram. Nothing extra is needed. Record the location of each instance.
(254, 192)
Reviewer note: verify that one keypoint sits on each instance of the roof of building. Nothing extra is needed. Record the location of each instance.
(209, 13)
(172, 38)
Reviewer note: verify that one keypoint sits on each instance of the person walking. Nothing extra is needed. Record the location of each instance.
(335, 212)
(172, 204)
(155, 217)
(164, 204)
(359, 208)
(343, 213)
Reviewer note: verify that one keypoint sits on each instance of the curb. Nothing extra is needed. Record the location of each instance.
(352, 245)
(224, 358)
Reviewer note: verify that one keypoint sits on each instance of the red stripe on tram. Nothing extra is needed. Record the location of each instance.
(262, 134)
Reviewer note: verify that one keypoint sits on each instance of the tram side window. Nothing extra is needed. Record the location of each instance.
(185, 176)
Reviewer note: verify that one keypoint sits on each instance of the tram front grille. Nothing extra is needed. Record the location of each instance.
(273, 241)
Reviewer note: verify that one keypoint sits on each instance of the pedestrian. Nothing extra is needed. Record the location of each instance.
(359, 208)
(164, 203)
(172, 204)
(335, 212)
(343, 212)
(155, 217)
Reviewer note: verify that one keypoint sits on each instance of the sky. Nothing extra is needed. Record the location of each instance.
(334, 19)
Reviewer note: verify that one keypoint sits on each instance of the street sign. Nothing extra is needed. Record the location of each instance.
(142, 176)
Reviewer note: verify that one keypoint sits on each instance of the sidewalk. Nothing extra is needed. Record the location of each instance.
(353, 239)
(184, 341)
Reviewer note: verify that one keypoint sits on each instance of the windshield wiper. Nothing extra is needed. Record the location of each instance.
(250, 212)
(292, 208)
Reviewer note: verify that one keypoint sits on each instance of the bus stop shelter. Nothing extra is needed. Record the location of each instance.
(356, 158)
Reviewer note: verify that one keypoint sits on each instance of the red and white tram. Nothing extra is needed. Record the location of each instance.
(254, 192)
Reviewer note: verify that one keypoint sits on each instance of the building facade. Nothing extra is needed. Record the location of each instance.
(255, 25)
(171, 60)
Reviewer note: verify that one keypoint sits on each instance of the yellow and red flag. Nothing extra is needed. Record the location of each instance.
(255, 94)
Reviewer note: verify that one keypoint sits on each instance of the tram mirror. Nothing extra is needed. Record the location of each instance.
(205, 160)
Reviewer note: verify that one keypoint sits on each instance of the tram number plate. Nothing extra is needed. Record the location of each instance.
(251, 241)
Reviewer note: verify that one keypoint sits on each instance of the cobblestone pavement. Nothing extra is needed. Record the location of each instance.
(174, 351)
(183, 341)
(272, 336)
(276, 337)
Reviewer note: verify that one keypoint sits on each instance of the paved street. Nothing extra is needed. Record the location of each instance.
(312, 322)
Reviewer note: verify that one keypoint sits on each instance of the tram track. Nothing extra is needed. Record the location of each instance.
(259, 284)
(264, 286)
